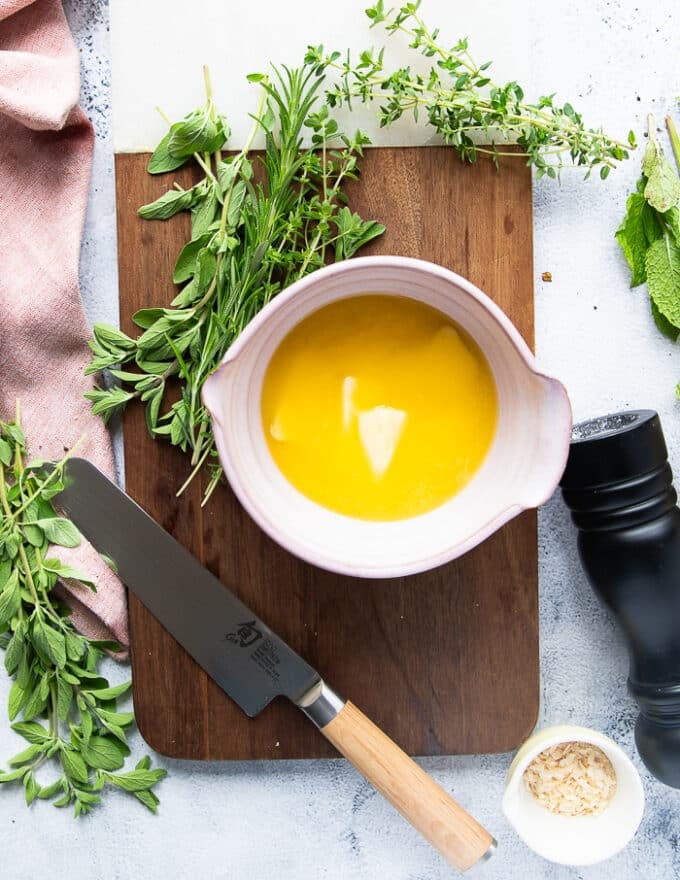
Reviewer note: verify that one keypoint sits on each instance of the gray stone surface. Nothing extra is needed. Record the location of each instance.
(616, 60)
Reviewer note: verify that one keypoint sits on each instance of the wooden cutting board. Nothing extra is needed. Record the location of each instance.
(446, 661)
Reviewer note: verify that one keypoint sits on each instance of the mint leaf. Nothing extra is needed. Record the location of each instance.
(636, 232)
(663, 186)
(663, 324)
(663, 277)
(672, 218)
(650, 156)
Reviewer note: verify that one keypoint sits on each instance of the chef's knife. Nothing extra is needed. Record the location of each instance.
(250, 662)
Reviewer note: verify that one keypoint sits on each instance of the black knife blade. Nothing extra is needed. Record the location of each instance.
(237, 649)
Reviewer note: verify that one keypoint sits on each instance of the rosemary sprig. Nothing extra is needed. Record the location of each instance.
(252, 235)
(460, 100)
(68, 710)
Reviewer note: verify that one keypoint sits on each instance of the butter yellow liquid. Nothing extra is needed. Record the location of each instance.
(379, 407)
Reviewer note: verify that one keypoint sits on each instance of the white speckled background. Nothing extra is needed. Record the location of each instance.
(615, 61)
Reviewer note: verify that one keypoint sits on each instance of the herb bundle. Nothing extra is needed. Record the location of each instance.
(253, 234)
(257, 225)
(649, 233)
(459, 99)
(54, 667)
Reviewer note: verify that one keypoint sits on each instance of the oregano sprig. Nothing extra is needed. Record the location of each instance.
(258, 223)
(67, 709)
(461, 102)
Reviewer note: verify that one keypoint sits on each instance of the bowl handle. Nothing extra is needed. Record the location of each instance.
(553, 435)
(216, 389)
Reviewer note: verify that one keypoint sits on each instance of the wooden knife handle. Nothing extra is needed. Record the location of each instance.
(423, 803)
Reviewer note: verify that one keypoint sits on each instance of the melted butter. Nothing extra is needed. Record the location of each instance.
(378, 407)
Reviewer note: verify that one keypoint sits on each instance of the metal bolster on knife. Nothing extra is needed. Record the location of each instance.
(321, 704)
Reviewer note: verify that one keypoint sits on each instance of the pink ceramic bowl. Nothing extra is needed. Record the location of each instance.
(521, 469)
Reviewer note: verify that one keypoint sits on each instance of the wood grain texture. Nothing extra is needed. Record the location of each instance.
(446, 662)
(420, 800)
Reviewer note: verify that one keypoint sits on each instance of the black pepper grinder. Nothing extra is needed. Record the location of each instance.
(618, 486)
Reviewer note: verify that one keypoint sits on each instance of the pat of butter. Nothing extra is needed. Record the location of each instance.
(349, 386)
(277, 431)
(380, 430)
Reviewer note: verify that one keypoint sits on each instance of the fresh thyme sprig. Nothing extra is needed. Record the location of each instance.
(257, 226)
(460, 100)
(68, 710)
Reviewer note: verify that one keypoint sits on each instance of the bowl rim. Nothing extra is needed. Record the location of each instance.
(314, 553)
(384, 261)
(547, 737)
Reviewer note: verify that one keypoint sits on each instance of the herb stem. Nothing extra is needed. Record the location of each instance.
(28, 575)
(3, 495)
(196, 469)
(52, 711)
(56, 471)
(675, 140)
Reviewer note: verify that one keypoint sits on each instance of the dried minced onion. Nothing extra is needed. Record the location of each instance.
(572, 779)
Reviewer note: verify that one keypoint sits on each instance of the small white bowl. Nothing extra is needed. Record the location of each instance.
(521, 470)
(574, 840)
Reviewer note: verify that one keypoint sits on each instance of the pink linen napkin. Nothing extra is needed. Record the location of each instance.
(45, 157)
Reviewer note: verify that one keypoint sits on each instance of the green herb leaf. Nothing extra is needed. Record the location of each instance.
(106, 402)
(169, 204)
(638, 229)
(74, 766)
(663, 187)
(137, 780)
(161, 161)
(32, 731)
(13, 774)
(663, 277)
(5, 453)
(104, 753)
(185, 267)
(16, 649)
(17, 700)
(50, 643)
(66, 571)
(48, 791)
(199, 132)
(111, 693)
(672, 218)
(113, 340)
(59, 531)
(663, 324)
(10, 598)
(148, 798)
